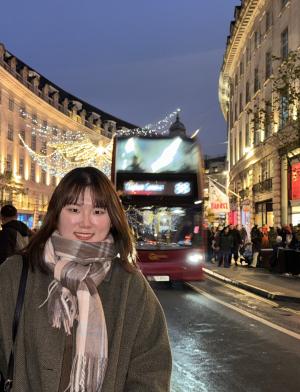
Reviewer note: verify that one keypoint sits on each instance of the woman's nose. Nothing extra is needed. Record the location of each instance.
(85, 219)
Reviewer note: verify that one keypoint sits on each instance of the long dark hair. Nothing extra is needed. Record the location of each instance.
(104, 195)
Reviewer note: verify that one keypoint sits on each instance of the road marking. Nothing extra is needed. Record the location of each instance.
(243, 291)
(256, 296)
(245, 313)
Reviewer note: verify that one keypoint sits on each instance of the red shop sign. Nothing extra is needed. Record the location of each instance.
(295, 181)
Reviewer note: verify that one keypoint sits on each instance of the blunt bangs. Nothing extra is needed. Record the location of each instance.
(100, 190)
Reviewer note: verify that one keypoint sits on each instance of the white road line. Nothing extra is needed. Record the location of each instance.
(247, 314)
(243, 291)
(250, 294)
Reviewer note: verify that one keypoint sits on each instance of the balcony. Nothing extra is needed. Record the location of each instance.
(263, 186)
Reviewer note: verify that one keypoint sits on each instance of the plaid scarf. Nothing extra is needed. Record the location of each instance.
(78, 268)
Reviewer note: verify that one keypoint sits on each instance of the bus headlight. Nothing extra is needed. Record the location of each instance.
(195, 258)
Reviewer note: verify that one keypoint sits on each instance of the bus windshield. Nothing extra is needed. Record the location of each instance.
(164, 227)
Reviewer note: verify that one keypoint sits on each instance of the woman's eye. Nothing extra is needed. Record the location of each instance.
(99, 212)
(73, 209)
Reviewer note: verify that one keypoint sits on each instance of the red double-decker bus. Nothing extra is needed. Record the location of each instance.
(159, 180)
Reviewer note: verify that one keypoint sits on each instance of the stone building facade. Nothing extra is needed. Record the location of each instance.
(29, 100)
(262, 155)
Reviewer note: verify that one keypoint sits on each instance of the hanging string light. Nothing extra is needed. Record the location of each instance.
(159, 128)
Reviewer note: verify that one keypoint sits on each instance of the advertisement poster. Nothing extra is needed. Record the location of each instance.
(295, 178)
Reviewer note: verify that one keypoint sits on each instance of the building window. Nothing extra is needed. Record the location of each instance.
(241, 102)
(241, 68)
(10, 133)
(256, 130)
(22, 111)
(8, 162)
(268, 65)
(22, 134)
(236, 80)
(284, 111)
(256, 39)
(248, 54)
(231, 151)
(54, 130)
(11, 104)
(268, 20)
(32, 171)
(240, 144)
(268, 119)
(34, 119)
(256, 81)
(43, 177)
(33, 142)
(44, 147)
(247, 134)
(231, 116)
(247, 92)
(285, 44)
(21, 167)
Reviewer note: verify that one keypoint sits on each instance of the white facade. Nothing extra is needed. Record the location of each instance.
(259, 166)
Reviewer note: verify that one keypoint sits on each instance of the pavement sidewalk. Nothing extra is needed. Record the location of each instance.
(258, 280)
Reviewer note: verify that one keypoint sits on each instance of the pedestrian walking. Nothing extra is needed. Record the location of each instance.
(90, 321)
(14, 235)
(237, 241)
(244, 235)
(226, 244)
(216, 245)
(256, 239)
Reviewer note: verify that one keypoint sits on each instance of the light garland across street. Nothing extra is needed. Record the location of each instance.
(72, 149)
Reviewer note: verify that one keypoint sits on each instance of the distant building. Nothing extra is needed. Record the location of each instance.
(263, 153)
(29, 100)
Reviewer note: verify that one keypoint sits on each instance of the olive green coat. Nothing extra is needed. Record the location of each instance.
(139, 358)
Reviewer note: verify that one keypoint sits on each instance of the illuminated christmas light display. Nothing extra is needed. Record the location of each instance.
(72, 149)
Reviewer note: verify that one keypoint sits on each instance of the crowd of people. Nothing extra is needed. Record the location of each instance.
(233, 243)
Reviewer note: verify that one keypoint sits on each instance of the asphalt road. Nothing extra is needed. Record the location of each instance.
(217, 346)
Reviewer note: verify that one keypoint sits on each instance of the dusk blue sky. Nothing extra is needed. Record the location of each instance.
(136, 59)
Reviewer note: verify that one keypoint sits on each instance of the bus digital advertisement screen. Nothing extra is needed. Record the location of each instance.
(154, 188)
(165, 155)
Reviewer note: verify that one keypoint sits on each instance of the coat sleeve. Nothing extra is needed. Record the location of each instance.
(10, 272)
(151, 362)
(7, 243)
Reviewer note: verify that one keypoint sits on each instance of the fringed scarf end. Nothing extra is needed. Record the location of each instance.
(87, 373)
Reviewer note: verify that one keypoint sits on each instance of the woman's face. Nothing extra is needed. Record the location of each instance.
(84, 222)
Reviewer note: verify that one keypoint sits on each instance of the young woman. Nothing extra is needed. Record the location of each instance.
(90, 322)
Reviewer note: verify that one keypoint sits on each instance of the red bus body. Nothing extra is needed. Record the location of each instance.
(170, 265)
(159, 180)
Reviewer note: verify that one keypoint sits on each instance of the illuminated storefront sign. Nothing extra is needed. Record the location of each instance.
(295, 181)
